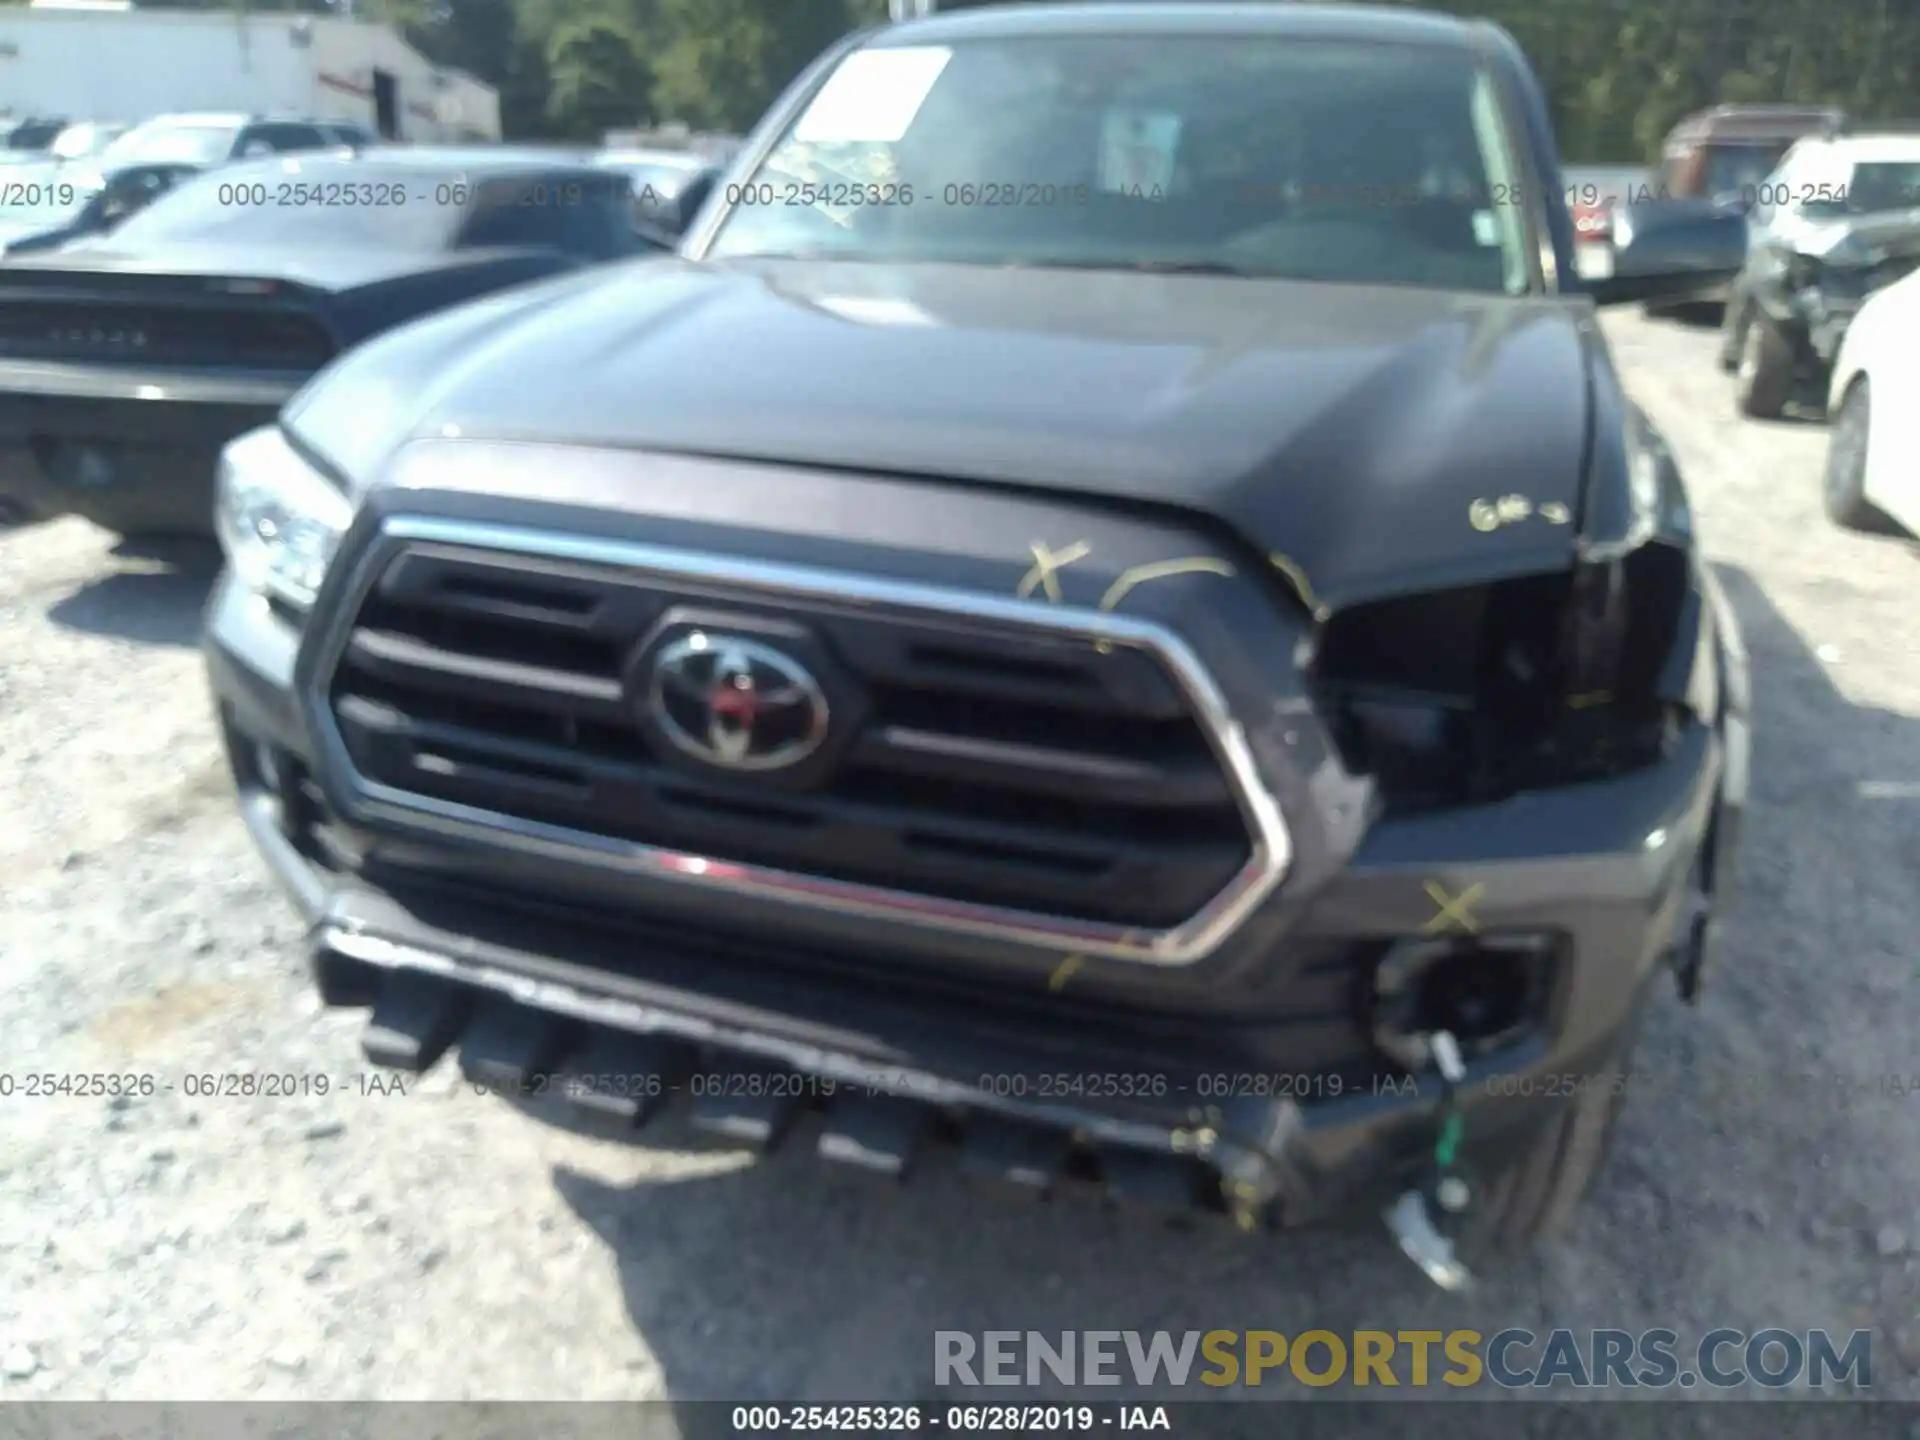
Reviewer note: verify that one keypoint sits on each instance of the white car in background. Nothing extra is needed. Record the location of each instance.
(1873, 455)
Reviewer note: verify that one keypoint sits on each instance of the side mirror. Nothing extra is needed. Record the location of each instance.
(658, 213)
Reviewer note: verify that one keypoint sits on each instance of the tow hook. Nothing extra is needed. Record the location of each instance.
(1417, 1218)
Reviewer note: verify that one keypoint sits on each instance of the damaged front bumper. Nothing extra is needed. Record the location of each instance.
(518, 965)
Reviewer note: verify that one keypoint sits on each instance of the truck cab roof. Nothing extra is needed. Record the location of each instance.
(1371, 23)
(1754, 122)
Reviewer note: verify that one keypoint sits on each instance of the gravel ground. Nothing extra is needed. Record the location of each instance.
(433, 1244)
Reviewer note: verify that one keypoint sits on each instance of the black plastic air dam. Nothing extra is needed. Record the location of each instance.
(618, 1066)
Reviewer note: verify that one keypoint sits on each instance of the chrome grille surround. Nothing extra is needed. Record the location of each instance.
(1186, 943)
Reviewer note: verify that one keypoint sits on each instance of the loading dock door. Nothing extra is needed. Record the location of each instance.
(386, 104)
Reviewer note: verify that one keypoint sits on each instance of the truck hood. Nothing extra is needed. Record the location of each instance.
(324, 269)
(1350, 430)
(1860, 240)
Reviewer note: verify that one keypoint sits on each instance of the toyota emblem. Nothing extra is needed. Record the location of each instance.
(736, 703)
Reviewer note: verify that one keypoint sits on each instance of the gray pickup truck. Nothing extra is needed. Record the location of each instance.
(1108, 609)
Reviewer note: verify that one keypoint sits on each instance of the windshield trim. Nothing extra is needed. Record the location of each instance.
(1538, 264)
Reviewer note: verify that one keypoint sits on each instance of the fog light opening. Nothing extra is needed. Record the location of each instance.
(1480, 991)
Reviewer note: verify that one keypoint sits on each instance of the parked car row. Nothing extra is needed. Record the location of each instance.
(1818, 222)
(127, 360)
(88, 177)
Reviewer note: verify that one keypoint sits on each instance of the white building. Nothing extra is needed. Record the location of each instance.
(94, 63)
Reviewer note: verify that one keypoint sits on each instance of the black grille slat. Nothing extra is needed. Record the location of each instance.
(1047, 770)
(406, 660)
(990, 766)
(878, 844)
(115, 331)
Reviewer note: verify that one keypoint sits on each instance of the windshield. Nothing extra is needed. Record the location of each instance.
(43, 195)
(77, 142)
(298, 202)
(1882, 185)
(1740, 169)
(1377, 164)
(174, 142)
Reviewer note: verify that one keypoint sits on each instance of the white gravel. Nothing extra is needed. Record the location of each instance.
(432, 1244)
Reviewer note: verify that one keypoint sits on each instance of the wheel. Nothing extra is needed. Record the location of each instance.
(1764, 380)
(1844, 491)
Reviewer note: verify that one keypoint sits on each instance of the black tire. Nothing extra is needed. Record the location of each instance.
(1844, 489)
(1537, 1196)
(1763, 383)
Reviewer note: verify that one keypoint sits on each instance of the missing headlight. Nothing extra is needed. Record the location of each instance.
(1435, 695)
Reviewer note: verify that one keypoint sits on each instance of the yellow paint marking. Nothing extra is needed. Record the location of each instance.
(1297, 578)
(1065, 971)
(1161, 570)
(1486, 516)
(1588, 700)
(1047, 564)
(1454, 909)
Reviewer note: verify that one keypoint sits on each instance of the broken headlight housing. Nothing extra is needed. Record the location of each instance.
(1472, 694)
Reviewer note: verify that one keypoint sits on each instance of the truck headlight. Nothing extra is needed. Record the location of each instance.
(279, 519)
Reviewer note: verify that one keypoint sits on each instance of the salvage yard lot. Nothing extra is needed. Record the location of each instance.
(434, 1244)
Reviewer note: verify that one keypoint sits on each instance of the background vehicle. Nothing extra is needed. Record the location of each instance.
(84, 140)
(34, 133)
(57, 204)
(1593, 193)
(1069, 623)
(1656, 235)
(1872, 479)
(1723, 153)
(1713, 161)
(206, 140)
(202, 314)
(1838, 220)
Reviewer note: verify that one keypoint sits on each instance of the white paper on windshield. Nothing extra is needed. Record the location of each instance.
(873, 97)
(1137, 151)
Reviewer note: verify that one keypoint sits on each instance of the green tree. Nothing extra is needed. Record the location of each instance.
(598, 80)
